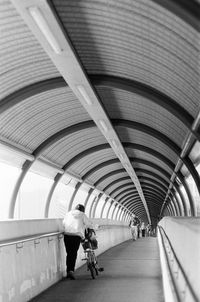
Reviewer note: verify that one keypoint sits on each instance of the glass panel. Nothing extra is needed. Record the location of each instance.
(32, 197)
(90, 201)
(116, 213)
(194, 154)
(8, 178)
(126, 216)
(81, 196)
(180, 201)
(99, 206)
(194, 191)
(186, 198)
(60, 200)
(111, 211)
(119, 214)
(106, 209)
(197, 198)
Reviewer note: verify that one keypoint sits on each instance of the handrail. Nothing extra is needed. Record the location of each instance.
(164, 235)
(30, 238)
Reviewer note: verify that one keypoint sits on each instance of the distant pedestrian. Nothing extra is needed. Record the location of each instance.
(148, 229)
(134, 227)
(143, 229)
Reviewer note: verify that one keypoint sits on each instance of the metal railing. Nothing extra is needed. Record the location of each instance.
(182, 287)
(22, 240)
(19, 242)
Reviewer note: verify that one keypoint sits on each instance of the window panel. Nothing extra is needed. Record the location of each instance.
(60, 200)
(8, 178)
(32, 197)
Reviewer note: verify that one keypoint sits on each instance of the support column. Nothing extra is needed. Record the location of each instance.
(88, 196)
(106, 199)
(121, 214)
(93, 201)
(111, 203)
(119, 207)
(185, 212)
(176, 202)
(73, 195)
(115, 206)
(95, 204)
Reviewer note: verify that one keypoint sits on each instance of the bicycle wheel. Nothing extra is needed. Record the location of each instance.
(91, 269)
(96, 268)
(95, 264)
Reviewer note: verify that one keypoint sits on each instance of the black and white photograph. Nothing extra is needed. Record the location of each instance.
(99, 150)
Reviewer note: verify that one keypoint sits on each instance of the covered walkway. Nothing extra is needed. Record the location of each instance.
(100, 105)
(132, 274)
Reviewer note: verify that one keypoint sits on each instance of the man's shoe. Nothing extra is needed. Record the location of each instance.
(70, 275)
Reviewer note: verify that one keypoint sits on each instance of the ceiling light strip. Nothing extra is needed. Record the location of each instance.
(84, 94)
(41, 22)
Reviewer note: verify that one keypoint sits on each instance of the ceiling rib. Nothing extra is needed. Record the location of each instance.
(54, 40)
(152, 165)
(186, 148)
(166, 140)
(85, 125)
(146, 181)
(129, 190)
(154, 205)
(151, 151)
(126, 145)
(37, 153)
(155, 188)
(115, 182)
(134, 196)
(29, 91)
(159, 180)
(149, 93)
(101, 165)
(127, 197)
(158, 177)
(144, 90)
(184, 9)
(142, 171)
(128, 184)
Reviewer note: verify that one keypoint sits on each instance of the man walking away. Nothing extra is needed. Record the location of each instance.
(75, 222)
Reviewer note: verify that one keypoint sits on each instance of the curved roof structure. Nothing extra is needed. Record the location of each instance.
(105, 90)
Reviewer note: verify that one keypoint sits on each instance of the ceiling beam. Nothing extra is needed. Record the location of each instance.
(43, 21)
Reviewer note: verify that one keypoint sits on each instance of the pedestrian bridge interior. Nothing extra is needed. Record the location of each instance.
(100, 105)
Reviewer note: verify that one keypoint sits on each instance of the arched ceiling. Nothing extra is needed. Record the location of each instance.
(115, 101)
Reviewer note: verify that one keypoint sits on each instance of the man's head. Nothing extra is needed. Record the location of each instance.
(80, 207)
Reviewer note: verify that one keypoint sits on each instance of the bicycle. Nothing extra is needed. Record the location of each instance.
(91, 260)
